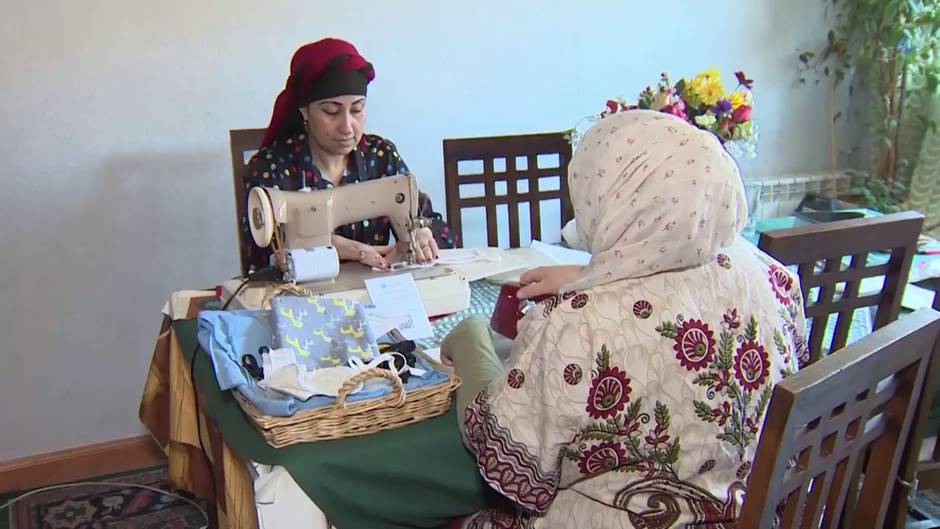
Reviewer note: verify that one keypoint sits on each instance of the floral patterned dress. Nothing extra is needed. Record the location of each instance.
(638, 404)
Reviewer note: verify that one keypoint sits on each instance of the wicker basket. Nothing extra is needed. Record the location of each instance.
(349, 419)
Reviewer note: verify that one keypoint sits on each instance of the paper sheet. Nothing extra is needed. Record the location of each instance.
(457, 256)
(383, 321)
(399, 293)
(454, 256)
(562, 255)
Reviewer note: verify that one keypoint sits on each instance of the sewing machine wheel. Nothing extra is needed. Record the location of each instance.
(260, 216)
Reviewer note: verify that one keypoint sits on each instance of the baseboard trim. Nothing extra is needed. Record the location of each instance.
(79, 463)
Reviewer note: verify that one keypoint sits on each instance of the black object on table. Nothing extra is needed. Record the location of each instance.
(818, 208)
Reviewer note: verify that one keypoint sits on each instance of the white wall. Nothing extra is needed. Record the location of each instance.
(116, 180)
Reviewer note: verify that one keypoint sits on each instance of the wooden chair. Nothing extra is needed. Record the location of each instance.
(847, 415)
(832, 241)
(522, 178)
(925, 473)
(244, 143)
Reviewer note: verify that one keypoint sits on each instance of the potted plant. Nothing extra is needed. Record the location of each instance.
(888, 51)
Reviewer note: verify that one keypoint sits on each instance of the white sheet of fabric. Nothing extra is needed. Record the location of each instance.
(569, 234)
(287, 380)
(637, 399)
(562, 255)
(454, 256)
(282, 504)
(293, 379)
(642, 179)
(178, 305)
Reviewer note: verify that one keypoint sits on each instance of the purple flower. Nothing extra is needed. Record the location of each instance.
(723, 106)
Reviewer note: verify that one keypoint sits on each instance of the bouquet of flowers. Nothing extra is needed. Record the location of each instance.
(703, 102)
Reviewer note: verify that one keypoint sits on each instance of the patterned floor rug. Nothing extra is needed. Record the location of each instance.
(105, 507)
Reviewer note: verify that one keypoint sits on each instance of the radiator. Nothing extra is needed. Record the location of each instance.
(781, 194)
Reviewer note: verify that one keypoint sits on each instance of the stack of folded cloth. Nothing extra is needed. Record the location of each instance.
(298, 354)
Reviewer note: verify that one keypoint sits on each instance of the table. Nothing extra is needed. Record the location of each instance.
(170, 411)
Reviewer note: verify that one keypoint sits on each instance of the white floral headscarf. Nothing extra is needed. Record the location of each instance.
(651, 194)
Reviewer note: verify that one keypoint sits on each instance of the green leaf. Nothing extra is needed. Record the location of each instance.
(603, 359)
(806, 56)
(733, 440)
(764, 400)
(933, 81)
(633, 411)
(662, 415)
(629, 465)
(680, 86)
(599, 432)
(778, 342)
(672, 453)
(706, 379)
(703, 411)
(751, 331)
(667, 329)
(725, 358)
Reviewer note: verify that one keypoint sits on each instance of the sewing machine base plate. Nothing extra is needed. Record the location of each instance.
(443, 289)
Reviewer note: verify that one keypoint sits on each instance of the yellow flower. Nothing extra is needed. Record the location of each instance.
(705, 88)
(738, 99)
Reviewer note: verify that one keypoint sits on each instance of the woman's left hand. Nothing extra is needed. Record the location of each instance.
(425, 249)
(547, 280)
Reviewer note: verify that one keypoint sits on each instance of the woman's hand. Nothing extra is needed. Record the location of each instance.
(372, 256)
(425, 249)
(547, 280)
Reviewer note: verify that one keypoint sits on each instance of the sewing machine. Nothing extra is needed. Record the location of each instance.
(299, 225)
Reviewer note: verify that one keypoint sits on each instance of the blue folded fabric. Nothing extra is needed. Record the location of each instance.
(228, 335)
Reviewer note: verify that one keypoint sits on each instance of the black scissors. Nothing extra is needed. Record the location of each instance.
(250, 363)
(405, 356)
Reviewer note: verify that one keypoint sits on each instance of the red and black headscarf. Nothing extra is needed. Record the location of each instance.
(320, 70)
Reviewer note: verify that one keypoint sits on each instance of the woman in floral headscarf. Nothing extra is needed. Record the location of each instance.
(636, 397)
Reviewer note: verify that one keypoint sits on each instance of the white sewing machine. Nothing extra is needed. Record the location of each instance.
(300, 224)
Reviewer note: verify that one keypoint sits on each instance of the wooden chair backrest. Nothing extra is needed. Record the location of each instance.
(847, 415)
(524, 180)
(244, 144)
(832, 242)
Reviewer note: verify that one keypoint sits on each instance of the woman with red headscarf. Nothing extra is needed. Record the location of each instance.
(316, 140)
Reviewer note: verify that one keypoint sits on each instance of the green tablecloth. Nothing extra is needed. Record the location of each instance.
(483, 296)
(418, 476)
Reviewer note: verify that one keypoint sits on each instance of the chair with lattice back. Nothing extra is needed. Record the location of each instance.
(244, 144)
(843, 248)
(848, 415)
(508, 172)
